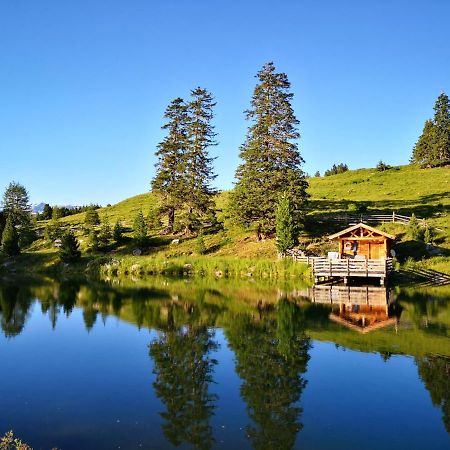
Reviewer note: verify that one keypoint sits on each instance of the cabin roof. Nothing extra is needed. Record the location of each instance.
(361, 225)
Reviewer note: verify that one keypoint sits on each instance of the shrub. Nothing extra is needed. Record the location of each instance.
(200, 246)
(335, 169)
(118, 232)
(69, 250)
(382, 167)
(10, 239)
(91, 217)
(414, 230)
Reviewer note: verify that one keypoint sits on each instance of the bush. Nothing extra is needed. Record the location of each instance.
(140, 230)
(105, 234)
(91, 217)
(10, 239)
(335, 169)
(69, 250)
(414, 230)
(200, 246)
(118, 232)
(382, 167)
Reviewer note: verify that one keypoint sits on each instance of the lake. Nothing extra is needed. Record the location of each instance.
(171, 363)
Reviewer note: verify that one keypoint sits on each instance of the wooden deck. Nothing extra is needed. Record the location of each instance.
(357, 295)
(346, 268)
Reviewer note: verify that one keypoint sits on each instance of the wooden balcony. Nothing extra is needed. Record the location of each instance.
(347, 268)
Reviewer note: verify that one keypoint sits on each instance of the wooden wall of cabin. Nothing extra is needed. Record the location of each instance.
(370, 249)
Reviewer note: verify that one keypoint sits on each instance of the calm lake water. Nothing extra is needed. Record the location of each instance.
(222, 364)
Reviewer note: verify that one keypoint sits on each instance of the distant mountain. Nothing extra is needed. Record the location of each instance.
(37, 209)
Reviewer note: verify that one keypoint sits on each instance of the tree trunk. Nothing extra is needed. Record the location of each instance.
(171, 219)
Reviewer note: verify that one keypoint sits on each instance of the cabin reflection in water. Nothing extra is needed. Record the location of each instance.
(360, 308)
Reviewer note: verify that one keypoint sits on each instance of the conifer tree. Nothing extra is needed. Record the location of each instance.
(199, 164)
(16, 204)
(47, 212)
(69, 250)
(118, 232)
(433, 147)
(442, 124)
(170, 178)
(10, 238)
(286, 230)
(91, 217)
(140, 230)
(271, 159)
(105, 233)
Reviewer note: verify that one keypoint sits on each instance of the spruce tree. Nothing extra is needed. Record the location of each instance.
(424, 150)
(286, 229)
(271, 159)
(442, 124)
(433, 147)
(91, 217)
(105, 234)
(199, 164)
(170, 179)
(140, 230)
(10, 238)
(69, 250)
(118, 232)
(47, 212)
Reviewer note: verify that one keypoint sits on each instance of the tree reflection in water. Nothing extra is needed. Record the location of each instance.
(15, 303)
(271, 356)
(183, 366)
(435, 373)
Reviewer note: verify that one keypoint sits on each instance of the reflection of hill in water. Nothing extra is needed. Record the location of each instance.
(423, 328)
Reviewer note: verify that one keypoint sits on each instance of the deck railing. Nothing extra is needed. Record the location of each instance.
(324, 267)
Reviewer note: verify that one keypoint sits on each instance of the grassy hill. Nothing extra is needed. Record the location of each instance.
(405, 190)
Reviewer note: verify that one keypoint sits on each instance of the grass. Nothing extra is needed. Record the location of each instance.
(405, 190)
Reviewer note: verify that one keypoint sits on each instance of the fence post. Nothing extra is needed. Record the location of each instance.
(393, 216)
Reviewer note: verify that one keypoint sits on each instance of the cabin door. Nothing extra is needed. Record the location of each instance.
(374, 250)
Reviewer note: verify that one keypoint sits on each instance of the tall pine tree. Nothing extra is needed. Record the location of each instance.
(10, 238)
(199, 164)
(170, 178)
(433, 147)
(271, 159)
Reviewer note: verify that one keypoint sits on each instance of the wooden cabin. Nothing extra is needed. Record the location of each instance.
(363, 242)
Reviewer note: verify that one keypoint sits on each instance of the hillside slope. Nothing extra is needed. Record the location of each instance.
(405, 190)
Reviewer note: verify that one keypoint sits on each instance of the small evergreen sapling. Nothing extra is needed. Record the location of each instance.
(105, 234)
(91, 217)
(10, 239)
(414, 231)
(69, 250)
(140, 230)
(118, 232)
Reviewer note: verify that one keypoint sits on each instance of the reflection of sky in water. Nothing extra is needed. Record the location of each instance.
(73, 389)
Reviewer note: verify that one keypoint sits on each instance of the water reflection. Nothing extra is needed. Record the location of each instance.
(271, 356)
(269, 329)
(183, 368)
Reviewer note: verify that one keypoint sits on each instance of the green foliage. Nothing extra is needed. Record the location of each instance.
(382, 167)
(91, 217)
(286, 230)
(200, 247)
(10, 238)
(47, 212)
(118, 232)
(93, 240)
(271, 160)
(336, 169)
(69, 251)
(184, 169)
(428, 235)
(414, 229)
(317, 174)
(140, 230)
(433, 147)
(53, 230)
(105, 234)
(16, 205)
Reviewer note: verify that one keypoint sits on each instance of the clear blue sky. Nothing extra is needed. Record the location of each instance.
(84, 84)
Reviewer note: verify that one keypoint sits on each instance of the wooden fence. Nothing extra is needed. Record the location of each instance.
(324, 267)
(367, 218)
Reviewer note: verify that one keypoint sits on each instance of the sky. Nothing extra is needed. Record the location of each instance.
(84, 84)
